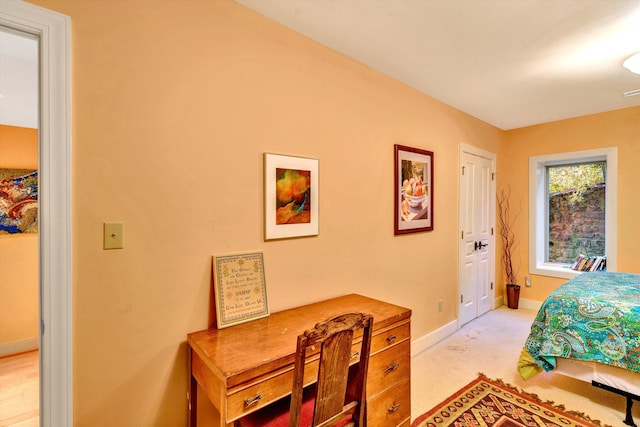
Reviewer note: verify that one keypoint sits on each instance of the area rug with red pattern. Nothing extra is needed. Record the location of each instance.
(492, 403)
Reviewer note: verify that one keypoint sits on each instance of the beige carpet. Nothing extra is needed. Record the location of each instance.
(491, 344)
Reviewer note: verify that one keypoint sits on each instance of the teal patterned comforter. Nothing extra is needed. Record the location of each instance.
(593, 317)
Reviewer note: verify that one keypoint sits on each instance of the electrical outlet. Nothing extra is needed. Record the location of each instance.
(440, 306)
(527, 281)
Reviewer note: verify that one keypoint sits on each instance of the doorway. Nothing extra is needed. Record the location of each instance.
(54, 205)
(19, 279)
(477, 237)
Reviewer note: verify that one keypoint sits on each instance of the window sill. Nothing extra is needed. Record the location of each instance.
(561, 271)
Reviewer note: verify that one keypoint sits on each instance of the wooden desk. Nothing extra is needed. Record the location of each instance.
(245, 367)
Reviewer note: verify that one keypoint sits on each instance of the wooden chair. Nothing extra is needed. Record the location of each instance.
(337, 399)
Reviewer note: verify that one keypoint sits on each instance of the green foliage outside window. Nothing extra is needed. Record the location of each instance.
(577, 178)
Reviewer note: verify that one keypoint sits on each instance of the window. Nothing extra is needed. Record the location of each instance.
(576, 208)
(572, 210)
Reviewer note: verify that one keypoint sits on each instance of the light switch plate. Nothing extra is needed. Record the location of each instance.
(113, 235)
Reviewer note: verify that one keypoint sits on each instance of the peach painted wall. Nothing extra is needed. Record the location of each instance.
(18, 147)
(620, 129)
(174, 104)
(18, 254)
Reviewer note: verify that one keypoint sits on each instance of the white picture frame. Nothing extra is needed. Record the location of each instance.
(290, 196)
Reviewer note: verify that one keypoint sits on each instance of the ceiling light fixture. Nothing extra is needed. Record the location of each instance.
(633, 63)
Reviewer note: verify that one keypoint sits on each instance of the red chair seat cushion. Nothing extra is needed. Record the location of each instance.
(277, 415)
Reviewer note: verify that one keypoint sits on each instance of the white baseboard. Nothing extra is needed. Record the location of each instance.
(421, 344)
(16, 347)
(526, 304)
(424, 342)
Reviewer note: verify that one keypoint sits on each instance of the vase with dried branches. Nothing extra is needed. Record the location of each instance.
(506, 220)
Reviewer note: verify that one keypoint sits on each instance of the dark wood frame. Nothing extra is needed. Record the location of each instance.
(414, 225)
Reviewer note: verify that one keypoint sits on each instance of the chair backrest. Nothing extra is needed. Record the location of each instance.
(337, 394)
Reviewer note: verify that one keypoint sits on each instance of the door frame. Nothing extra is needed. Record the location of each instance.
(54, 205)
(470, 149)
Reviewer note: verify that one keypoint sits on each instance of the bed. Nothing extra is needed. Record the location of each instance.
(589, 329)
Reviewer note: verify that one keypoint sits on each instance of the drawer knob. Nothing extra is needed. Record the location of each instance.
(391, 368)
(393, 408)
(252, 400)
(391, 339)
(355, 354)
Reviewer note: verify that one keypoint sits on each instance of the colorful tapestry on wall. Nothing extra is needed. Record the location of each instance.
(18, 201)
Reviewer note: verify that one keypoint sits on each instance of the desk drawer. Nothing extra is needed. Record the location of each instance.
(385, 339)
(385, 369)
(388, 367)
(264, 392)
(391, 408)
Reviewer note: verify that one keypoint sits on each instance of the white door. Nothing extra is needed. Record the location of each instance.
(477, 266)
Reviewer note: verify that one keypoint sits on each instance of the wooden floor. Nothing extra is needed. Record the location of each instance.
(19, 390)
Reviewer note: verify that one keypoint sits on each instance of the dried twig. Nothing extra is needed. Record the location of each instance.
(506, 232)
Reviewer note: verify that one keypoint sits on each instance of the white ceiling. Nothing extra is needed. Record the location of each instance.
(18, 80)
(511, 63)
